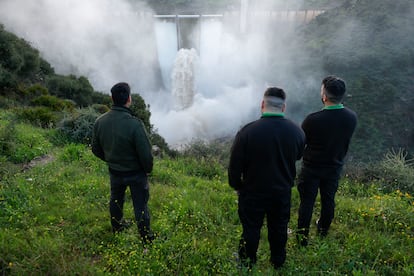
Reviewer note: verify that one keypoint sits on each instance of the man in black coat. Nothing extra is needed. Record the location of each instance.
(328, 134)
(262, 170)
(120, 139)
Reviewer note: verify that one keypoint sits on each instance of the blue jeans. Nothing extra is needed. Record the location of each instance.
(139, 188)
(310, 181)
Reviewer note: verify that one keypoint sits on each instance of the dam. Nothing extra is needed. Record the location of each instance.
(206, 34)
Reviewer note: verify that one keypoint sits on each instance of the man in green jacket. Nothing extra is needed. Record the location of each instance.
(121, 141)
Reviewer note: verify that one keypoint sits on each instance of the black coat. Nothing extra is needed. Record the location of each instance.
(264, 154)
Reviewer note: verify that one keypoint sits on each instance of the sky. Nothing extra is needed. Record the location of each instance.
(109, 41)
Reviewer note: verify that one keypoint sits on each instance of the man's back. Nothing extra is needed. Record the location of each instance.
(328, 134)
(123, 141)
(269, 148)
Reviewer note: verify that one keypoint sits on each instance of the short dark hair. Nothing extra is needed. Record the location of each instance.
(335, 88)
(120, 93)
(275, 92)
(274, 98)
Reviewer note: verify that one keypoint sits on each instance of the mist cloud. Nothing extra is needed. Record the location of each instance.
(110, 41)
(104, 40)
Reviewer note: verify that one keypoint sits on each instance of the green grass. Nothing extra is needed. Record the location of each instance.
(54, 220)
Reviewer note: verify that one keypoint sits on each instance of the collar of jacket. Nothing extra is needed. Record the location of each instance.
(121, 108)
(330, 107)
(270, 114)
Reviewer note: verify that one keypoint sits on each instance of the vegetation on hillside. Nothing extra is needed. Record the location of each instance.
(369, 44)
(54, 219)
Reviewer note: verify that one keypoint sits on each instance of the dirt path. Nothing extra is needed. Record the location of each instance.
(39, 160)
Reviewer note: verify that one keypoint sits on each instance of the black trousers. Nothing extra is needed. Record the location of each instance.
(310, 181)
(252, 211)
(139, 188)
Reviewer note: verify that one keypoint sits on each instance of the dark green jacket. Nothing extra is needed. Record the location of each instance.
(120, 139)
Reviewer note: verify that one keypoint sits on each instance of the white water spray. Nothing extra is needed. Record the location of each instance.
(183, 76)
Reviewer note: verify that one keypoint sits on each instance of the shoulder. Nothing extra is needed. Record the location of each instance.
(314, 115)
(350, 112)
(102, 116)
(133, 121)
(248, 126)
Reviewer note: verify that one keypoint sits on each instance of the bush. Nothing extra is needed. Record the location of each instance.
(394, 172)
(100, 108)
(78, 126)
(53, 102)
(8, 80)
(141, 110)
(38, 116)
(159, 141)
(35, 90)
(217, 150)
(101, 98)
(397, 171)
(7, 103)
(77, 89)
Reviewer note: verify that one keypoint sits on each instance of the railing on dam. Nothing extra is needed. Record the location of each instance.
(297, 16)
(303, 16)
(187, 26)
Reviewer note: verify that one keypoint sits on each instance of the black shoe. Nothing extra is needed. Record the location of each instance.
(147, 239)
(277, 262)
(243, 264)
(302, 240)
(277, 266)
(322, 232)
(124, 225)
(302, 237)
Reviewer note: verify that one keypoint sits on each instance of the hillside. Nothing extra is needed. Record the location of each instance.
(54, 220)
(369, 44)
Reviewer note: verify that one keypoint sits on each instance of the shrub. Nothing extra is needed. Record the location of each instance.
(159, 141)
(38, 116)
(6, 102)
(100, 108)
(46, 68)
(101, 98)
(397, 171)
(52, 102)
(36, 90)
(7, 80)
(394, 172)
(217, 150)
(141, 110)
(78, 126)
(77, 89)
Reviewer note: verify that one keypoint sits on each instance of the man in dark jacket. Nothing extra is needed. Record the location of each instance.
(121, 141)
(262, 171)
(328, 134)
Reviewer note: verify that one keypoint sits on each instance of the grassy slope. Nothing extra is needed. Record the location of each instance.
(54, 220)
